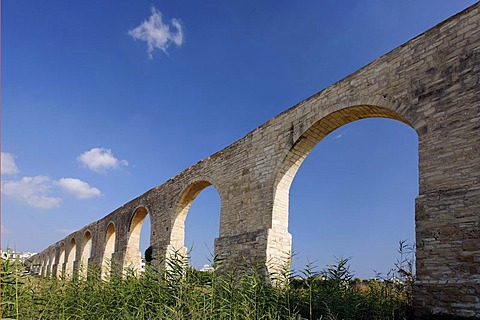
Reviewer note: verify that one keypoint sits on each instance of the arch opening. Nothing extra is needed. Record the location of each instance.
(197, 224)
(137, 245)
(70, 258)
(51, 262)
(41, 266)
(338, 211)
(61, 258)
(46, 266)
(41, 271)
(86, 253)
(108, 253)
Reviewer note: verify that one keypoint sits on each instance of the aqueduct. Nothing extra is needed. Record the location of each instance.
(431, 83)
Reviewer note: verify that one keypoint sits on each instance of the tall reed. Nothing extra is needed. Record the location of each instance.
(181, 292)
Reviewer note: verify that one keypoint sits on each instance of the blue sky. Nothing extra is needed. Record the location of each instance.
(97, 109)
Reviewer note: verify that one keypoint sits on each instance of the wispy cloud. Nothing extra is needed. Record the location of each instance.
(100, 159)
(157, 34)
(65, 231)
(9, 166)
(33, 191)
(78, 188)
(5, 230)
(340, 135)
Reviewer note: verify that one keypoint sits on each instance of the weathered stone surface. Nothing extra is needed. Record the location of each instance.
(431, 83)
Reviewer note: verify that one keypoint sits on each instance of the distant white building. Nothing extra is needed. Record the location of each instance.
(14, 255)
(207, 268)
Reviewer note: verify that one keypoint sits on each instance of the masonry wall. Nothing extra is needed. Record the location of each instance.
(431, 83)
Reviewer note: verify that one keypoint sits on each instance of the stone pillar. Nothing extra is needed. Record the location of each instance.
(161, 253)
(448, 252)
(265, 250)
(279, 250)
(92, 268)
(246, 250)
(76, 268)
(57, 269)
(69, 268)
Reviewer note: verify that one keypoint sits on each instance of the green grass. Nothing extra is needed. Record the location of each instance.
(184, 293)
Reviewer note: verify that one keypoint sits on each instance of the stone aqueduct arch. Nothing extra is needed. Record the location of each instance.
(431, 83)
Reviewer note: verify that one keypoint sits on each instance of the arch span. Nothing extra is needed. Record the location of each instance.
(301, 147)
(51, 262)
(45, 265)
(354, 196)
(58, 268)
(86, 252)
(70, 258)
(185, 200)
(109, 249)
(133, 256)
(309, 132)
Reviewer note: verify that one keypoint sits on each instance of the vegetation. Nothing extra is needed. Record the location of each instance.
(181, 292)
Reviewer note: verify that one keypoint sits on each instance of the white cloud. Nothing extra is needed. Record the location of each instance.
(157, 34)
(33, 191)
(78, 188)
(100, 159)
(8, 164)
